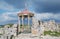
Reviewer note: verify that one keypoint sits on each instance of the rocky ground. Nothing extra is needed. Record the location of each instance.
(29, 36)
(50, 37)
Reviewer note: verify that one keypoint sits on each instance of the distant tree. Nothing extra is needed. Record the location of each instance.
(9, 25)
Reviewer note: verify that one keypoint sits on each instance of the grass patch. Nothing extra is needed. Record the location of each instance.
(52, 33)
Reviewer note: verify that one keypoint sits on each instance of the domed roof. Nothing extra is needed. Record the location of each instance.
(25, 12)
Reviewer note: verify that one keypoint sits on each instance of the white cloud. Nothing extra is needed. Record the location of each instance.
(7, 16)
(47, 16)
(6, 6)
(10, 11)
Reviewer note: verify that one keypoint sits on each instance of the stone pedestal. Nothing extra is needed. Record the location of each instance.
(35, 27)
(34, 32)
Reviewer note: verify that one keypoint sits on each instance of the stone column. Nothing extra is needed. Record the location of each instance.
(28, 21)
(32, 21)
(18, 24)
(22, 23)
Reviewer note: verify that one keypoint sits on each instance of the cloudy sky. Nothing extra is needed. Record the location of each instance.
(43, 9)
